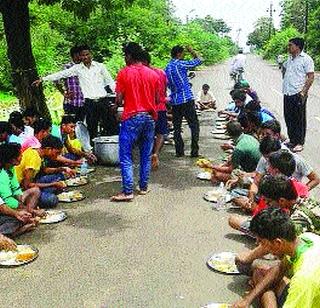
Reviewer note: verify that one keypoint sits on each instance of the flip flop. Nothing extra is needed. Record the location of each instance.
(121, 197)
(297, 148)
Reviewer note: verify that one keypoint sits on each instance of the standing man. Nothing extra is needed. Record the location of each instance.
(94, 79)
(182, 99)
(161, 125)
(138, 89)
(73, 96)
(298, 76)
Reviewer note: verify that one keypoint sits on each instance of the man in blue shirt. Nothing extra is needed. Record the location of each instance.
(182, 99)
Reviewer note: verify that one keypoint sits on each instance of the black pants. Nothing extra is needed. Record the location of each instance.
(101, 112)
(78, 112)
(295, 117)
(188, 111)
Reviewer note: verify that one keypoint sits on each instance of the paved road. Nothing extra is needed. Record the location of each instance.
(151, 252)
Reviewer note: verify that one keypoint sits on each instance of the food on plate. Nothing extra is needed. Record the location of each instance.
(77, 181)
(204, 175)
(25, 253)
(53, 217)
(70, 196)
(223, 262)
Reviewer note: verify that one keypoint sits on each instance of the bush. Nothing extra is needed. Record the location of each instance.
(278, 43)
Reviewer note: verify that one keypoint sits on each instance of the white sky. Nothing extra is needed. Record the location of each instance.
(236, 13)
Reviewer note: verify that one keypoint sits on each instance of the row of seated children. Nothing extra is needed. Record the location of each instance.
(32, 171)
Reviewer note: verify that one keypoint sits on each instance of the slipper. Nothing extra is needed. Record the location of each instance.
(122, 197)
(297, 148)
(143, 192)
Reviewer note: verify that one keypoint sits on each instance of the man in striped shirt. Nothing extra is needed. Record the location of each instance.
(73, 96)
(182, 99)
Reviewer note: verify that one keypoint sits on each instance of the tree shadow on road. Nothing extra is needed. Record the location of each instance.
(104, 223)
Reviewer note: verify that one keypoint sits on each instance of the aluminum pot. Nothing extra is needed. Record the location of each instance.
(106, 148)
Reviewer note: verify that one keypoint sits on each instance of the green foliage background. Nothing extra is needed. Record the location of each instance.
(58, 26)
(293, 23)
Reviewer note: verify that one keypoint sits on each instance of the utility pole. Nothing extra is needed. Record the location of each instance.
(238, 36)
(271, 10)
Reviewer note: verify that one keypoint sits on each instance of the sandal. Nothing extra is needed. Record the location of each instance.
(297, 148)
(122, 197)
(143, 192)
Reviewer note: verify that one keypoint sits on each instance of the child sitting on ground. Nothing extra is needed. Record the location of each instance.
(292, 282)
(288, 194)
(72, 146)
(19, 130)
(245, 156)
(32, 171)
(10, 190)
(206, 99)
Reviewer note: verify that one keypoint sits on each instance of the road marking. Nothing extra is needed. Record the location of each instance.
(278, 92)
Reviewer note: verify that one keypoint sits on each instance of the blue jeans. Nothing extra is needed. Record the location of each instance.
(48, 198)
(140, 130)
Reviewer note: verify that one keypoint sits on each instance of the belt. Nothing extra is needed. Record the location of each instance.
(142, 113)
(95, 100)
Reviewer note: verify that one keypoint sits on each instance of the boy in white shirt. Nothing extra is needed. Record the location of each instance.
(206, 99)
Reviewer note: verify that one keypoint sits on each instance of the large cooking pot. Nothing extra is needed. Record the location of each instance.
(106, 148)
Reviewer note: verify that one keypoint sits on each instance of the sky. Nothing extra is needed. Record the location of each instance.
(238, 14)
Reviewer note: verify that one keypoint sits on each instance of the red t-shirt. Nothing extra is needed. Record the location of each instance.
(139, 85)
(163, 89)
(300, 188)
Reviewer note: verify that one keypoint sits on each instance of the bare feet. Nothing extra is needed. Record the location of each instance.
(122, 197)
(155, 161)
(24, 229)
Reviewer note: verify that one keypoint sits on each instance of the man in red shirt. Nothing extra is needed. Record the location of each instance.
(161, 128)
(137, 87)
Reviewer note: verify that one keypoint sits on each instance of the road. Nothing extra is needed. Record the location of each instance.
(151, 252)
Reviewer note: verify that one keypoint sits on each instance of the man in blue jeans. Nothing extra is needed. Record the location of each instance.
(182, 99)
(137, 87)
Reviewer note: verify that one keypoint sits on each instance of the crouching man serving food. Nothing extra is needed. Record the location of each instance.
(294, 281)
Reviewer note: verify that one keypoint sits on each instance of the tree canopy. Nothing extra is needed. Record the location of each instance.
(298, 18)
(57, 25)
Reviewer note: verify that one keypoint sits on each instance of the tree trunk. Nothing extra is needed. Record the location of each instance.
(17, 30)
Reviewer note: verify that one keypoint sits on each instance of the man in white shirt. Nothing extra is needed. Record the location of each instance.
(238, 62)
(298, 76)
(206, 99)
(94, 79)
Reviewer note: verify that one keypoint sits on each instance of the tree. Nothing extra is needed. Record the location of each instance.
(16, 22)
(214, 26)
(278, 44)
(295, 13)
(263, 29)
(313, 36)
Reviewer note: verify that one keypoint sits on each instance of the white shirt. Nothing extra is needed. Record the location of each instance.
(205, 98)
(239, 61)
(303, 169)
(296, 73)
(93, 79)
